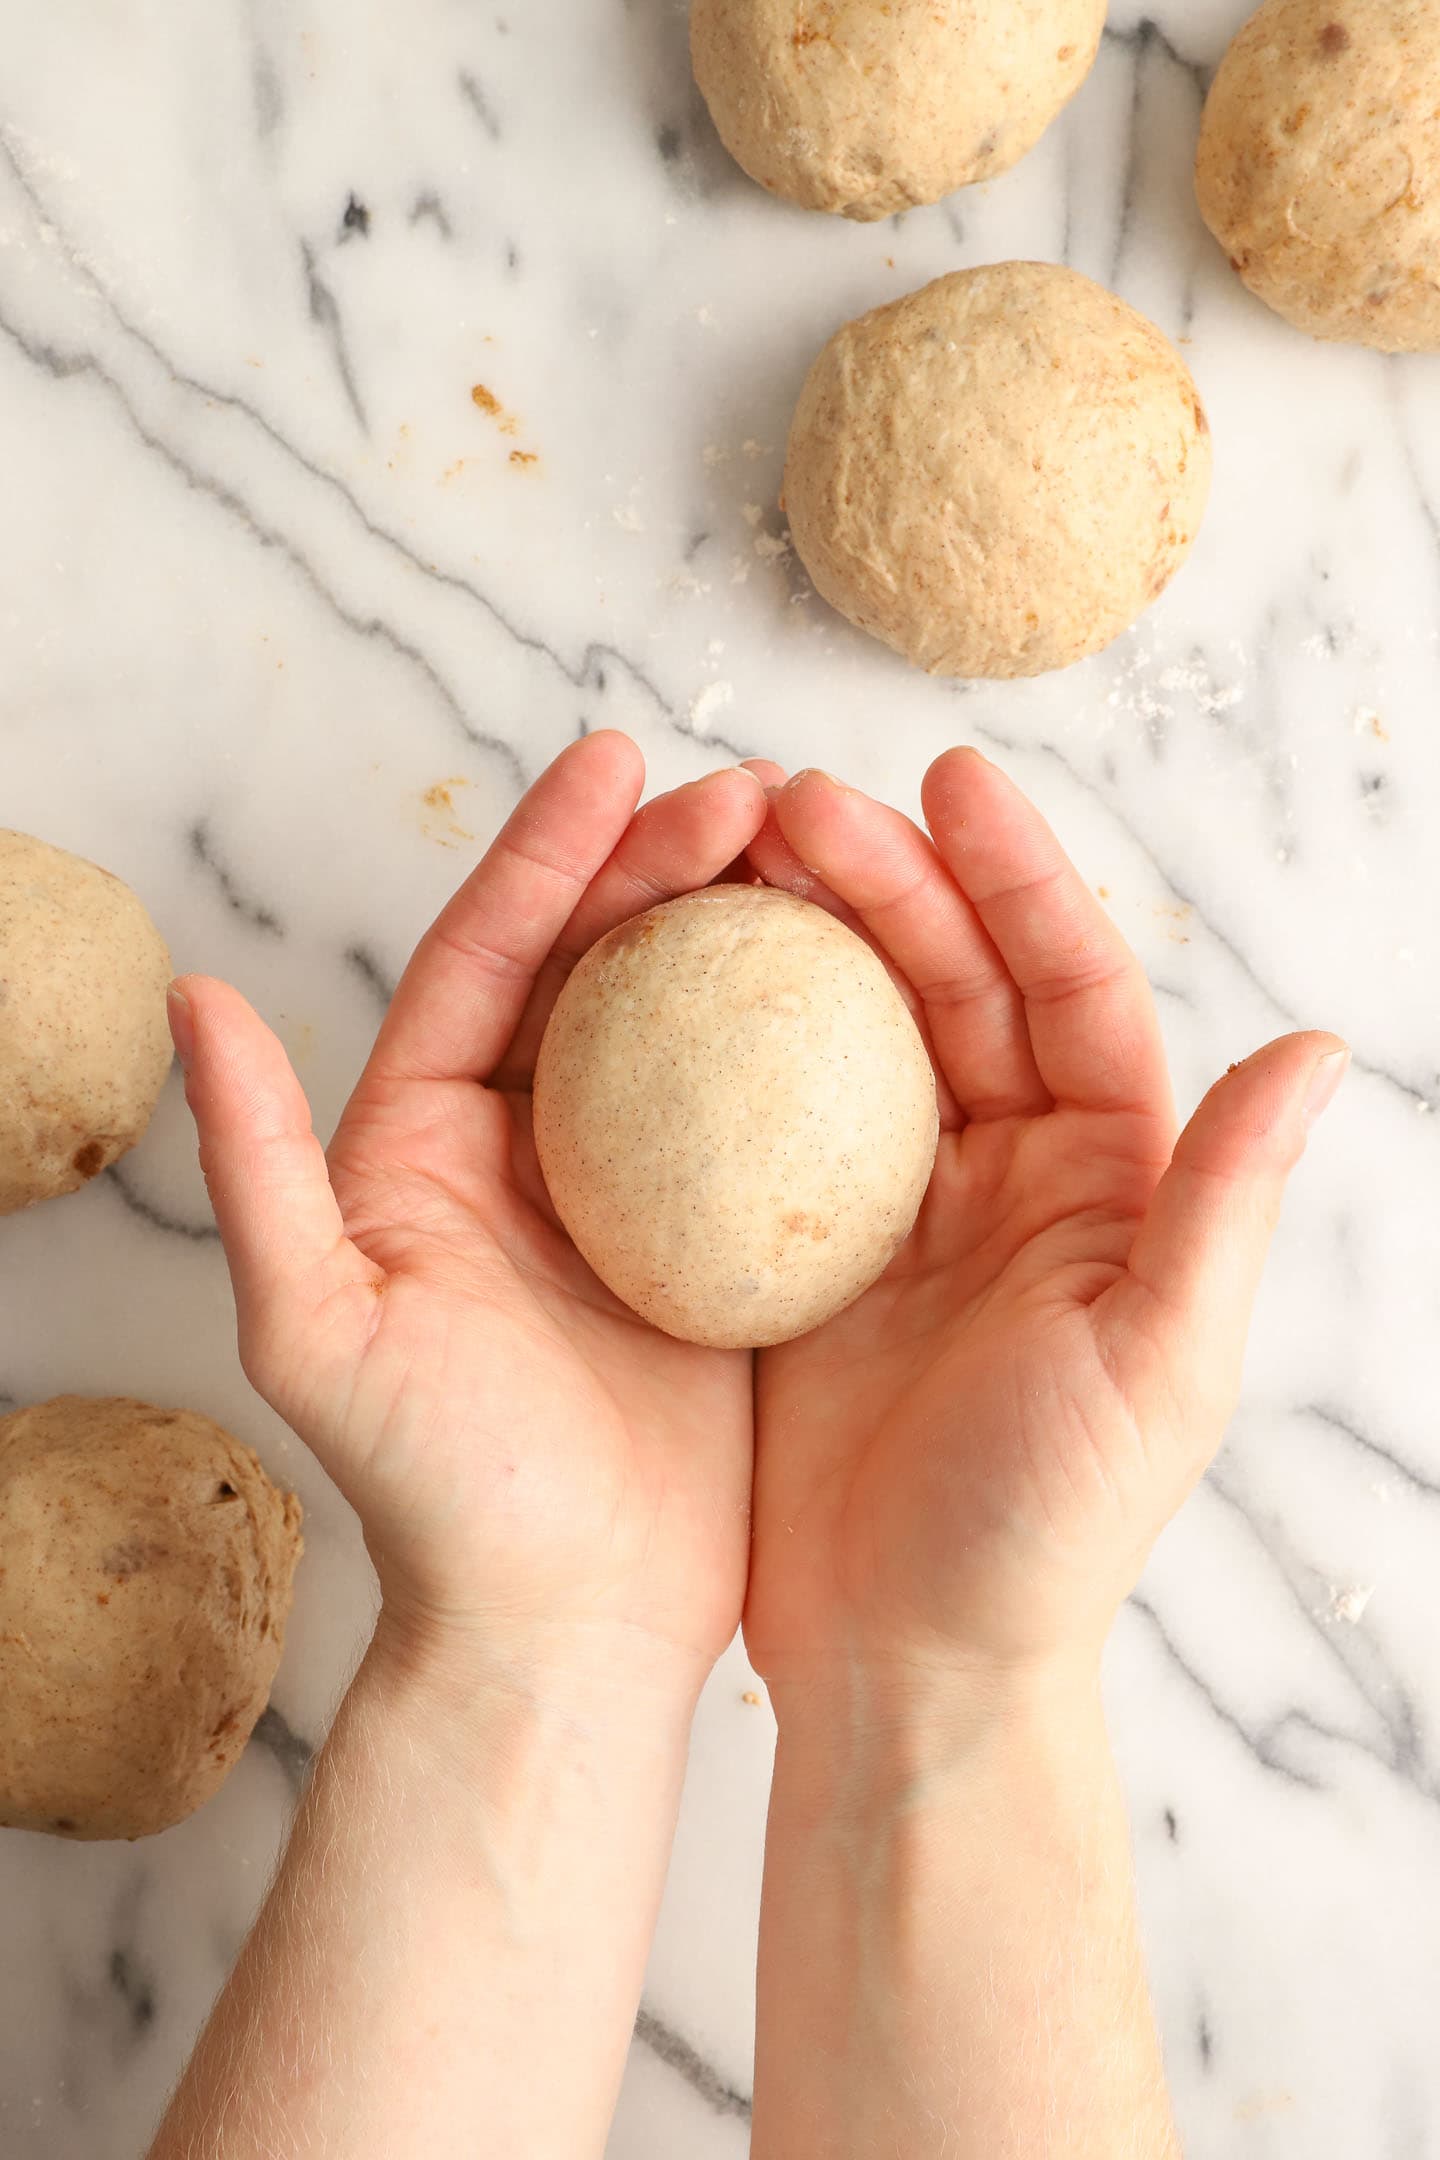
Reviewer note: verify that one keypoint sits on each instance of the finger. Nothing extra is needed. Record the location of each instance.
(742, 870)
(1197, 1259)
(772, 858)
(1092, 1021)
(461, 997)
(289, 1258)
(675, 844)
(889, 874)
(777, 863)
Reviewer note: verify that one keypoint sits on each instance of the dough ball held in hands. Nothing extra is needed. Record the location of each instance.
(999, 473)
(84, 1042)
(1319, 167)
(146, 1565)
(846, 106)
(735, 1115)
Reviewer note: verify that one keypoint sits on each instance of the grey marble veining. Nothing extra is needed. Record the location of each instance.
(289, 617)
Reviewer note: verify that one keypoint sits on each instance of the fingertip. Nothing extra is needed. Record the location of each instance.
(811, 778)
(766, 771)
(738, 796)
(192, 988)
(616, 756)
(610, 742)
(1284, 1061)
(739, 779)
(1310, 1064)
(181, 1016)
(1327, 1076)
(956, 771)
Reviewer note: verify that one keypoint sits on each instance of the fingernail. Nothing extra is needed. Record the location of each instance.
(1325, 1082)
(182, 1026)
(817, 772)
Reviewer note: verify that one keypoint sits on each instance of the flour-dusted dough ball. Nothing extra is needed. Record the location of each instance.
(867, 109)
(146, 1563)
(998, 473)
(1319, 167)
(84, 1041)
(735, 1115)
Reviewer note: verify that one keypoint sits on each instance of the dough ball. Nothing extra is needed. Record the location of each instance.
(999, 473)
(735, 1115)
(84, 1041)
(146, 1563)
(1319, 167)
(843, 105)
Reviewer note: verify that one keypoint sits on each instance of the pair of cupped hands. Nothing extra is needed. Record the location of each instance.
(961, 1474)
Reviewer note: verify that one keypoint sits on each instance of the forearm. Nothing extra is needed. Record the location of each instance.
(451, 1956)
(949, 1961)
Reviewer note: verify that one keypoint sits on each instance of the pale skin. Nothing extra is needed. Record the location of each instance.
(954, 1485)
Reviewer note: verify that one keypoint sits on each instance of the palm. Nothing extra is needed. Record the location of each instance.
(946, 1458)
(961, 1407)
(581, 1432)
(517, 1444)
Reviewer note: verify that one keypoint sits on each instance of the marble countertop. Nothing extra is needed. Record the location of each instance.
(287, 618)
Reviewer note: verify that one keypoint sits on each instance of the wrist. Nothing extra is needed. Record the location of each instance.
(457, 1679)
(861, 1739)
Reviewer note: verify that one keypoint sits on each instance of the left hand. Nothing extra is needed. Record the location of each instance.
(540, 1476)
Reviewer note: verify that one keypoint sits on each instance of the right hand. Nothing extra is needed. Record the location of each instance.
(965, 1470)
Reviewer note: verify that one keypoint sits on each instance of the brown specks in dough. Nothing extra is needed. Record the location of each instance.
(128, 1558)
(1334, 40)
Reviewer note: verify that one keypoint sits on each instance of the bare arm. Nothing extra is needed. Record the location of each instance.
(556, 1501)
(450, 1960)
(956, 1484)
(952, 1878)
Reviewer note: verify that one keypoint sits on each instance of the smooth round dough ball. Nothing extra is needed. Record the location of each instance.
(997, 474)
(84, 1040)
(844, 105)
(146, 1563)
(735, 1115)
(1319, 167)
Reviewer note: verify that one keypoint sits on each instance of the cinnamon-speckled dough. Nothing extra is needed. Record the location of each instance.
(84, 1041)
(845, 105)
(998, 473)
(735, 1115)
(146, 1563)
(1319, 167)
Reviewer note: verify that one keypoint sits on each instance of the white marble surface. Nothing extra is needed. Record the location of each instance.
(268, 576)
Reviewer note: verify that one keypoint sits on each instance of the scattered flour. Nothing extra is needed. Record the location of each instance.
(707, 704)
(1197, 680)
(1349, 1605)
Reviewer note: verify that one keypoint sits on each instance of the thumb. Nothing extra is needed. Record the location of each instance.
(290, 1261)
(1200, 1251)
